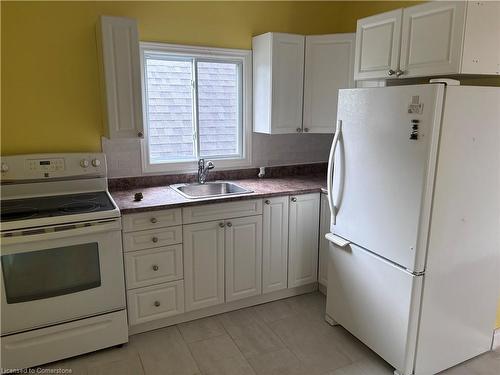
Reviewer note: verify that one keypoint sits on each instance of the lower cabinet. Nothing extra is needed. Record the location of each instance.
(222, 261)
(155, 302)
(270, 248)
(243, 243)
(153, 266)
(203, 264)
(303, 239)
(275, 244)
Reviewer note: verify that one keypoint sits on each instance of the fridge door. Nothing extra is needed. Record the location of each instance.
(376, 301)
(383, 175)
(462, 279)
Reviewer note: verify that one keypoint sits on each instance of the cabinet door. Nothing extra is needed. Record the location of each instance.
(243, 241)
(324, 228)
(275, 244)
(120, 65)
(328, 68)
(203, 264)
(482, 34)
(377, 45)
(303, 240)
(432, 37)
(287, 83)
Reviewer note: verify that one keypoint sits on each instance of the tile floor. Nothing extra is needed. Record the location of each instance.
(286, 337)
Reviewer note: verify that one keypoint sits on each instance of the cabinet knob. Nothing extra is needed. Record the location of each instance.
(267, 201)
(154, 239)
(140, 134)
(157, 303)
(229, 224)
(299, 130)
(391, 72)
(222, 225)
(138, 197)
(294, 199)
(306, 130)
(155, 267)
(399, 73)
(153, 220)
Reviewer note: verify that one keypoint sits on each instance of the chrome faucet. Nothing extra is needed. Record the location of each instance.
(203, 170)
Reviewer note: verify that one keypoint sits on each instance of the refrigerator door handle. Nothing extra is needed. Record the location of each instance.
(339, 241)
(336, 138)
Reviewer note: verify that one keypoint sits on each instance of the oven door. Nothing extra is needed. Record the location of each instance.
(61, 273)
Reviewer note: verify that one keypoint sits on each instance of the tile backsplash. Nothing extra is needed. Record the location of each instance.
(124, 156)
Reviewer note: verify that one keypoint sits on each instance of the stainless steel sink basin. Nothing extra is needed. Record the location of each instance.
(209, 189)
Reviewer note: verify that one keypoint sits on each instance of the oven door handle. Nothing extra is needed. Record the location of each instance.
(61, 231)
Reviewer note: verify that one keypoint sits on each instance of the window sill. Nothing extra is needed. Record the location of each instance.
(192, 166)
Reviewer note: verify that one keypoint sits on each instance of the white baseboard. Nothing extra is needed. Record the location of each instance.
(222, 308)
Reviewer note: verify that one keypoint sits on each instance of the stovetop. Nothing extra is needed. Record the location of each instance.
(57, 205)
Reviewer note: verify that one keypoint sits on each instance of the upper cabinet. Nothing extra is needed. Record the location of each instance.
(435, 38)
(329, 63)
(278, 71)
(481, 51)
(432, 39)
(296, 81)
(121, 76)
(377, 45)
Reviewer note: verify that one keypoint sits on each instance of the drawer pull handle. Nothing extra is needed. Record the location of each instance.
(154, 220)
(154, 239)
(229, 224)
(157, 303)
(222, 225)
(155, 267)
(267, 201)
(294, 199)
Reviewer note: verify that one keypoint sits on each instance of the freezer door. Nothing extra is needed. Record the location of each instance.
(384, 168)
(376, 301)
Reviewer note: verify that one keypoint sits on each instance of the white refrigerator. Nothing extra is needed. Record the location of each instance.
(414, 190)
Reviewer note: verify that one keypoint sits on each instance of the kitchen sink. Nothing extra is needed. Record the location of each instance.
(209, 189)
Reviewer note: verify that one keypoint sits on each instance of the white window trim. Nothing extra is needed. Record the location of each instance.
(245, 56)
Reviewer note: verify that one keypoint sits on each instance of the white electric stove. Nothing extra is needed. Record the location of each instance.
(61, 271)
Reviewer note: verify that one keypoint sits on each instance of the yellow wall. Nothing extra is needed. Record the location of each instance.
(498, 315)
(50, 85)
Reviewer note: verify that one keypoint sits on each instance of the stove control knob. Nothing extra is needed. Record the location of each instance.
(5, 168)
(96, 163)
(84, 163)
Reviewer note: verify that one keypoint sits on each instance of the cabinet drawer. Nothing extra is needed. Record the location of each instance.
(155, 302)
(218, 211)
(152, 220)
(152, 238)
(153, 266)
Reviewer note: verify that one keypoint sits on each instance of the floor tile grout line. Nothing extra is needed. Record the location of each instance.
(261, 321)
(198, 366)
(239, 350)
(284, 343)
(198, 340)
(142, 364)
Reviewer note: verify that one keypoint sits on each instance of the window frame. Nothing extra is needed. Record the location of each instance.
(208, 54)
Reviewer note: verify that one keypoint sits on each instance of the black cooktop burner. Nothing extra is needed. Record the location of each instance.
(58, 205)
(18, 213)
(79, 207)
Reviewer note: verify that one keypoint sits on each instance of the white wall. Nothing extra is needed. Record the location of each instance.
(124, 156)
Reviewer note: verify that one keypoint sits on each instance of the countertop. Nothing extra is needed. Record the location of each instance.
(163, 197)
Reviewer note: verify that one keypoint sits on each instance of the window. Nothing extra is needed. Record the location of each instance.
(195, 106)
